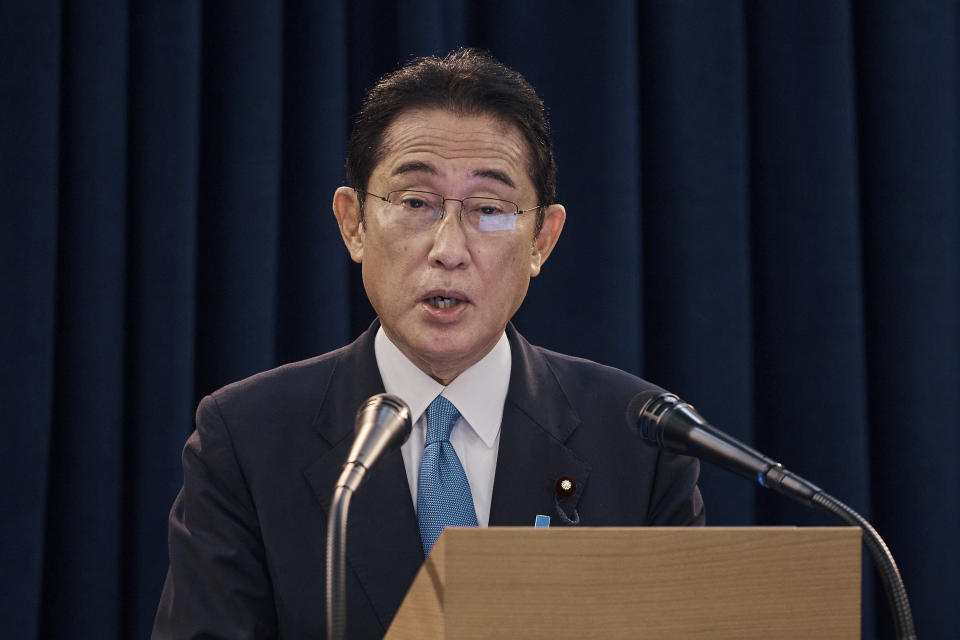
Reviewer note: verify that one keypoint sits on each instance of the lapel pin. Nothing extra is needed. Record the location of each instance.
(565, 486)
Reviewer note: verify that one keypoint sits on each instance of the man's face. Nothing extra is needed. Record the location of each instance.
(405, 273)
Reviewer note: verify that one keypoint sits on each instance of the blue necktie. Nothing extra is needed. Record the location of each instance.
(443, 493)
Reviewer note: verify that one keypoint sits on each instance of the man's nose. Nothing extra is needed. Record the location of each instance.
(449, 248)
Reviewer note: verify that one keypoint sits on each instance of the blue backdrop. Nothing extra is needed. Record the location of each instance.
(763, 218)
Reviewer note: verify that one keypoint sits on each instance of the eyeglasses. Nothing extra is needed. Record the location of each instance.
(421, 210)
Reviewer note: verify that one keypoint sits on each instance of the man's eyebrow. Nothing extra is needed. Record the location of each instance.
(413, 167)
(417, 166)
(499, 176)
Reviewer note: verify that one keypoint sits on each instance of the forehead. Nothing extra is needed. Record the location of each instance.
(453, 145)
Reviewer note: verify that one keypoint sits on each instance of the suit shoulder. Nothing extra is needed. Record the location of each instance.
(581, 376)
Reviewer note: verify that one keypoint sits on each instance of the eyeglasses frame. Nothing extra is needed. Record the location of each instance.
(443, 203)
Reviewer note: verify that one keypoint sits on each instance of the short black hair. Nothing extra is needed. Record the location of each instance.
(465, 81)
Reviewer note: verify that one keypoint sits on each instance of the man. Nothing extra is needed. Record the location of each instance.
(449, 211)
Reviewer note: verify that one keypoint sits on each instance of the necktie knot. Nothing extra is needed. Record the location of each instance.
(441, 416)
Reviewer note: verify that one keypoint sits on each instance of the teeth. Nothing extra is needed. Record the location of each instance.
(441, 302)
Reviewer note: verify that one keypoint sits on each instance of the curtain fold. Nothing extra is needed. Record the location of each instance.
(84, 526)
(29, 172)
(696, 220)
(762, 217)
(808, 309)
(910, 171)
(162, 190)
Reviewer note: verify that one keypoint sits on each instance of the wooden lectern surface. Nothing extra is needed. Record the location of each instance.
(658, 582)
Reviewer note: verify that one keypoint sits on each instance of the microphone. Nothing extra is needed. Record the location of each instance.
(665, 420)
(674, 425)
(382, 423)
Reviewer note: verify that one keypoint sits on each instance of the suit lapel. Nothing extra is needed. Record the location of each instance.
(537, 421)
(383, 540)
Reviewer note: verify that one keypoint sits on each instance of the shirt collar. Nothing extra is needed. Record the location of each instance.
(478, 393)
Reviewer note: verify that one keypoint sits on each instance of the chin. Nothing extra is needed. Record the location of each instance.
(444, 348)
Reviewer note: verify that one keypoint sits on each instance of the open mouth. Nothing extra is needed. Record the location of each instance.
(442, 302)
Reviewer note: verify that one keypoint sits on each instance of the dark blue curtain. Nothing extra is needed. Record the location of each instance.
(763, 218)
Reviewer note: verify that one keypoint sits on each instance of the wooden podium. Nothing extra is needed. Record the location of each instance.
(663, 582)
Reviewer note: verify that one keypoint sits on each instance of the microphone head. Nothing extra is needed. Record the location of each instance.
(645, 410)
(382, 423)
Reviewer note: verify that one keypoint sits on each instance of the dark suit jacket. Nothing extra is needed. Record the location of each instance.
(248, 529)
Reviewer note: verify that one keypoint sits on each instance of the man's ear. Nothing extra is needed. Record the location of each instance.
(346, 207)
(543, 244)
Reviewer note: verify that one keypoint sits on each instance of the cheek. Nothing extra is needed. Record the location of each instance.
(515, 272)
(391, 254)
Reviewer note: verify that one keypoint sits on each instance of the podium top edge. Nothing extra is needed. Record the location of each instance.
(472, 531)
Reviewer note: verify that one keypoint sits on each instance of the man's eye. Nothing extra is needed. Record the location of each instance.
(414, 203)
(487, 208)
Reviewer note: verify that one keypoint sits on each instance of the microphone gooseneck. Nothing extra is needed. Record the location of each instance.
(382, 424)
(665, 420)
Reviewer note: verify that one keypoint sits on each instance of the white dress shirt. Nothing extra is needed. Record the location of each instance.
(478, 394)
